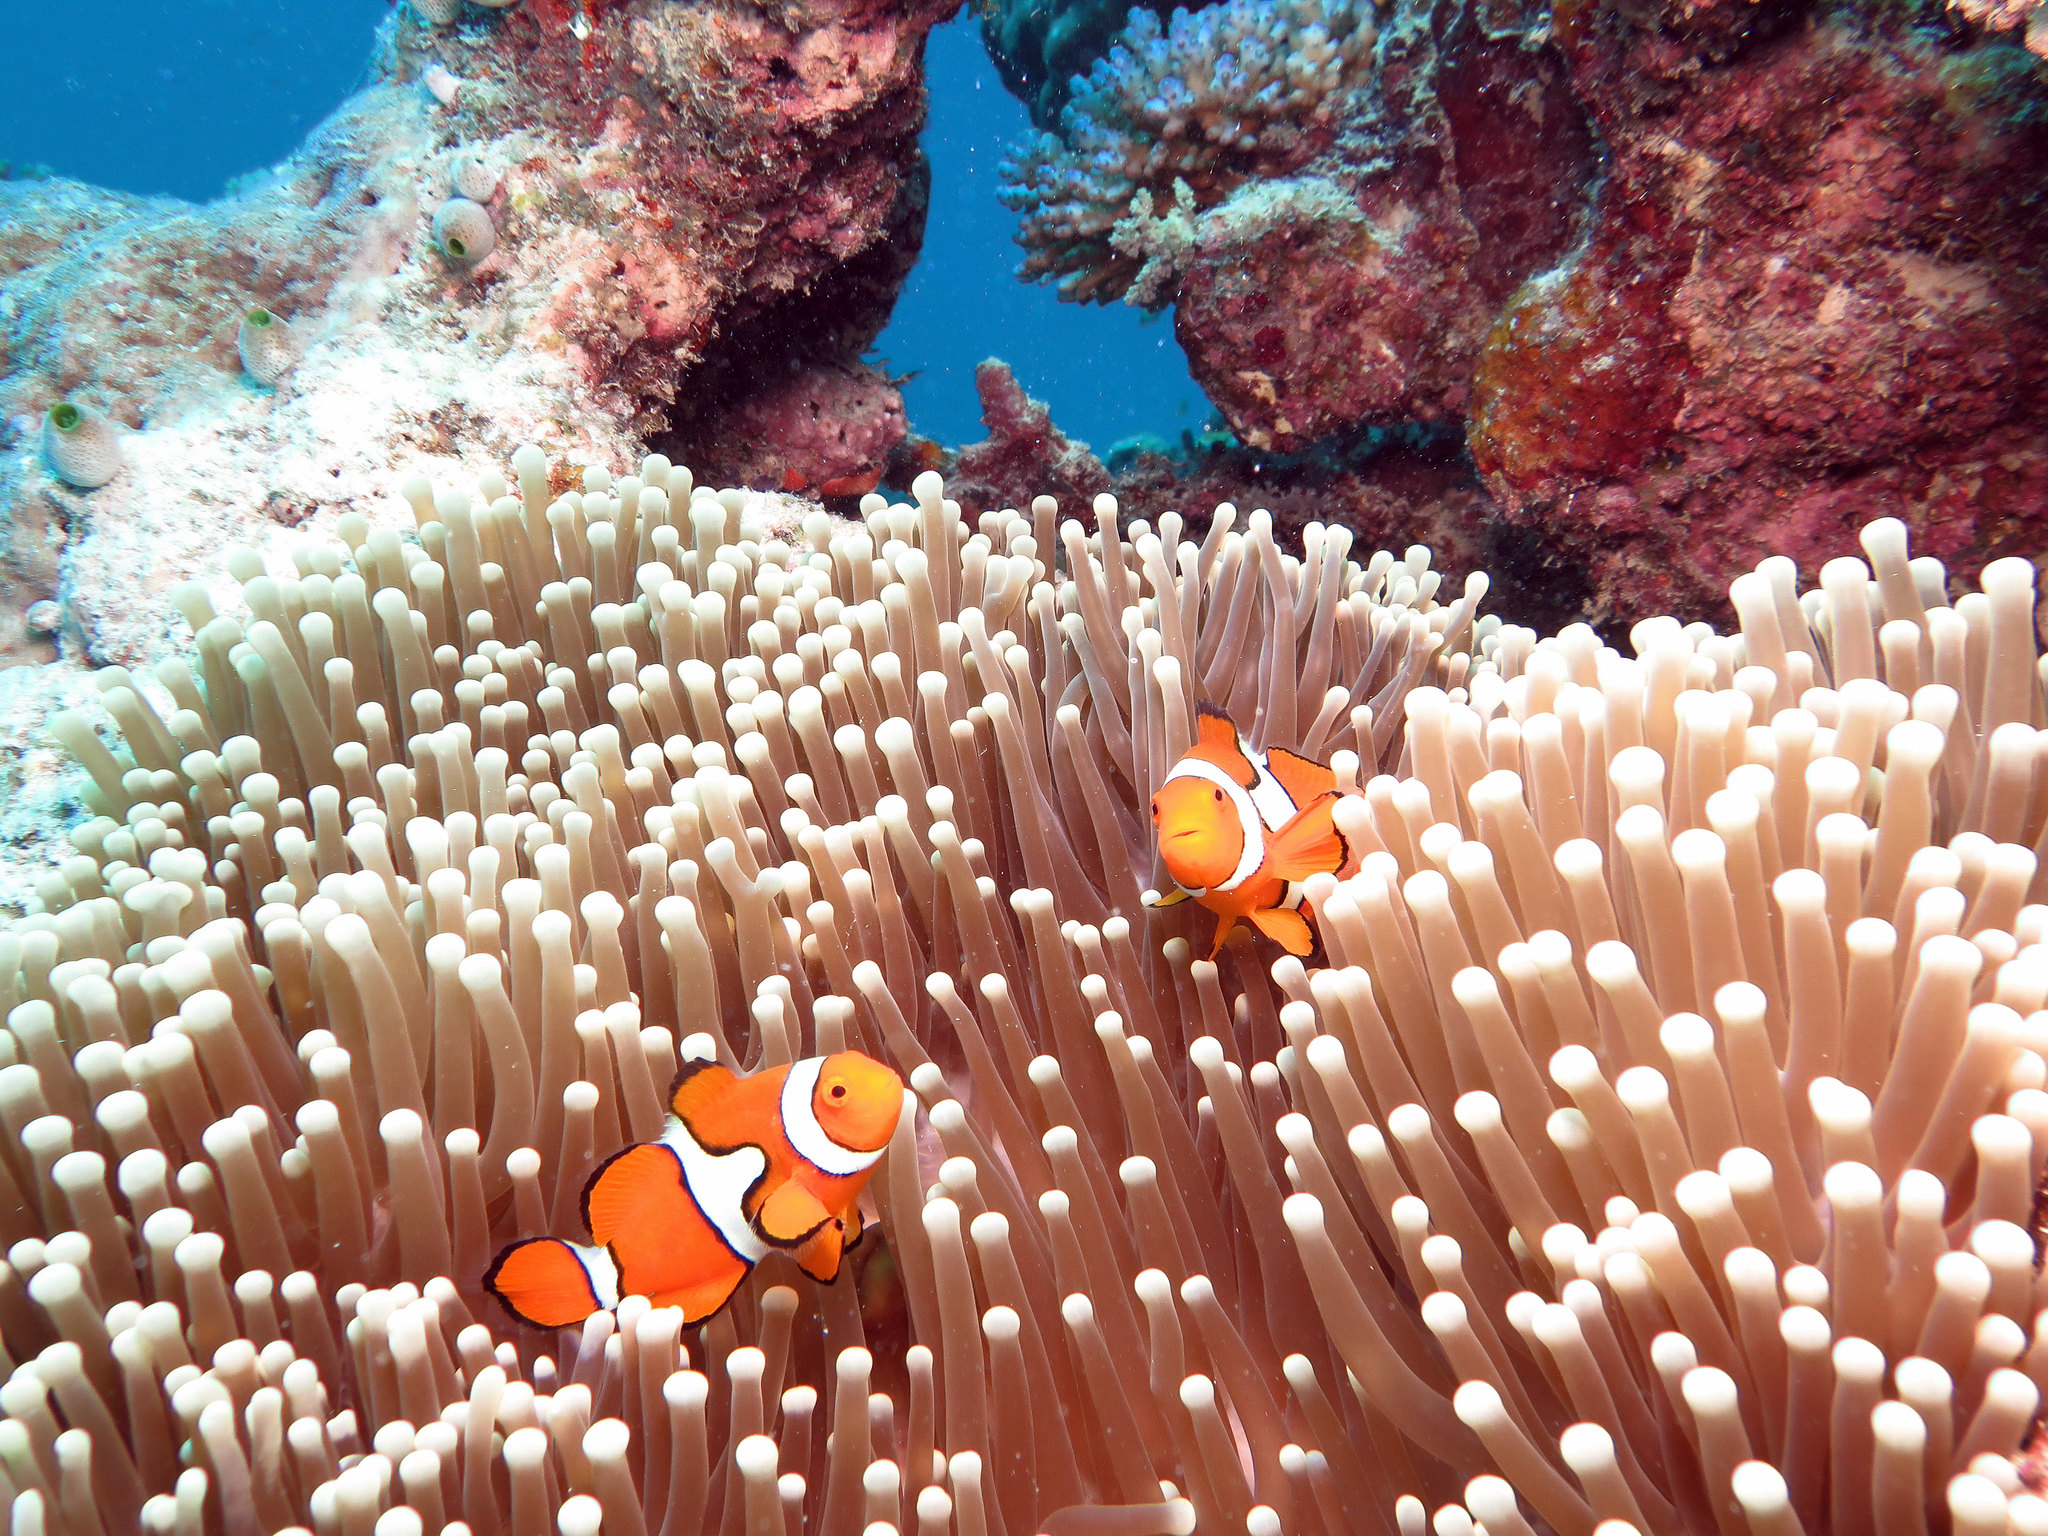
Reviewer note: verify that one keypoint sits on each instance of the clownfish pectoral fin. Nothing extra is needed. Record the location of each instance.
(1224, 922)
(1301, 777)
(548, 1283)
(1214, 728)
(1172, 899)
(818, 1255)
(1290, 930)
(701, 1300)
(1309, 844)
(791, 1216)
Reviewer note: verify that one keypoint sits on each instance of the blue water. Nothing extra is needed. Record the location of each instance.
(173, 95)
(177, 96)
(1106, 372)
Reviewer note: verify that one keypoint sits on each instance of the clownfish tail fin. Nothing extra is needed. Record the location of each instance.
(548, 1283)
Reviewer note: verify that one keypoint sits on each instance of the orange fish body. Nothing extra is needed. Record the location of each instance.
(1240, 831)
(747, 1165)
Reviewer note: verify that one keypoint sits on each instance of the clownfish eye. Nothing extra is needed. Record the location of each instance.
(1218, 794)
(838, 1091)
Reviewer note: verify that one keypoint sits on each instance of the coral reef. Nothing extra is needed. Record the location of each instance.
(1812, 293)
(840, 424)
(1798, 283)
(1652, 1146)
(1240, 92)
(2027, 17)
(671, 186)
(1335, 203)
(1041, 47)
(1024, 454)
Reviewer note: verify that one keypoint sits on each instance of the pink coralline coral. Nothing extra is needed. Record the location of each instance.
(1812, 294)
(1700, 280)
(732, 155)
(828, 430)
(1024, 454)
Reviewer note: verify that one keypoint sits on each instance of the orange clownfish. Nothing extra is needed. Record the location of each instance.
(747, 1165)
(1240, 830)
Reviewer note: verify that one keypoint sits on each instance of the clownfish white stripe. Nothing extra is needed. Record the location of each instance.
(800, 1124)
(603, 1272)
(1275, 806)
(1247, 814)
(719, 1183)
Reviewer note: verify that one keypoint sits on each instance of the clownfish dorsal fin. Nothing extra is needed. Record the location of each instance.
(1215, 728)
(706, 1096)
(1217, 741)
(1290, 930)
(1303, 778)
(627, 1188)
(1309, 844)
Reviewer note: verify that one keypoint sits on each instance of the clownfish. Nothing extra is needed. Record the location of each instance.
(746, 1165)
(1240, 830)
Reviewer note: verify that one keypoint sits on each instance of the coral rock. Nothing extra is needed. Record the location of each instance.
(828, 429)
(677, 183)
(1024, 454)
(1812, 294)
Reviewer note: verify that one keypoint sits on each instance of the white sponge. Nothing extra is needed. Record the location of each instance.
(83, 447)
(472, 177)
(463, 231)
(269, 347)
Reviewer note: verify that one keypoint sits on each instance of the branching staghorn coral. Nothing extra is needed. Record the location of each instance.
(1658, 1150)
(1222, 96)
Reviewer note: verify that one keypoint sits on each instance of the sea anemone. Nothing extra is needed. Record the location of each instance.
(82, 446)
(1658, 1144)
(268, 346)
(463, 231)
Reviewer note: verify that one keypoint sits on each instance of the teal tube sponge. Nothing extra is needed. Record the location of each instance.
(463, 231)
(269, 346)
(83, 447)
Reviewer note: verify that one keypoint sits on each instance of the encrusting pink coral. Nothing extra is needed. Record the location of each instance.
(1654, 1152)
